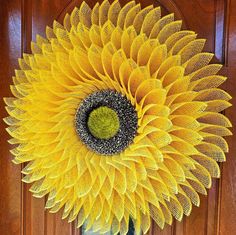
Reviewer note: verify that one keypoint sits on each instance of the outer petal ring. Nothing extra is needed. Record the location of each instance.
(175, 92)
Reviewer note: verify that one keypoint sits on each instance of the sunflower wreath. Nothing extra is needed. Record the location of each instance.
(117, 115)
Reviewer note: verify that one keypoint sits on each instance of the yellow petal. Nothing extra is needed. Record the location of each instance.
(150, 19)
(160, 24)
(123, 12)
(129, 18)
(113, 11)
(212, 151)
(169, 30)
(197, 62)
(139, 18)
(191, 49)
(172, 39)
(103, 12)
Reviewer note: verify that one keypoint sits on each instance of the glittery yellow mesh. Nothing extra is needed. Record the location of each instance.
(162, 70)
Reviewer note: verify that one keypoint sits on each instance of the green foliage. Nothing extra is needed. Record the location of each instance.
(103, 123)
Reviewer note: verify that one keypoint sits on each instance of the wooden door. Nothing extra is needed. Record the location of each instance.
(20, 21)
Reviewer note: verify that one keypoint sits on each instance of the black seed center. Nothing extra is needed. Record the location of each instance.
(127, 122)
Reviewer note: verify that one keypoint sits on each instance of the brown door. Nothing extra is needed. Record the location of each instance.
(20, 21)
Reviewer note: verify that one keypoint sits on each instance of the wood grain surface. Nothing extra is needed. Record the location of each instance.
(21, 20)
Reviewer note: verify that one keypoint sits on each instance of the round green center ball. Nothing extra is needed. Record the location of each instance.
(103, 123)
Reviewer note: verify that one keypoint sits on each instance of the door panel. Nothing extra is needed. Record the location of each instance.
(20, 21)
(10, 184)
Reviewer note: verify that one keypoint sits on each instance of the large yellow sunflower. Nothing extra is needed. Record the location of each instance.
(117, 115)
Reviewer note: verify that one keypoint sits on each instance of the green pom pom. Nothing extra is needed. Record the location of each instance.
(103, 123)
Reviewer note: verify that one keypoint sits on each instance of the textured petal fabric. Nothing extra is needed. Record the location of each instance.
(163, 72)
